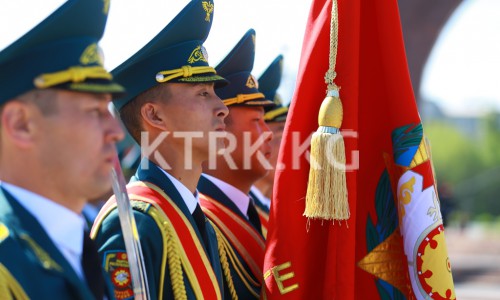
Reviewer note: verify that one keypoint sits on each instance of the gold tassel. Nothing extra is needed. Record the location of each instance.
(326, 196)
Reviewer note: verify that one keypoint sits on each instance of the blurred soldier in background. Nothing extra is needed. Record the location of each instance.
(57, 148)
(269, 82)
(225, 186)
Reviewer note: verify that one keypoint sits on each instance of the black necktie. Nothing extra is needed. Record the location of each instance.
(92, 267)
(253, 216)
(200, 219)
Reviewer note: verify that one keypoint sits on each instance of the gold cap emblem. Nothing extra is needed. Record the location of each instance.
(252, 82)
(105, 9)
(92, 54)
(209, 9)
(199, 53)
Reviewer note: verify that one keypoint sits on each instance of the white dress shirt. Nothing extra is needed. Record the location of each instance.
(240, 199)
(62, 225)
(260, 197)
(188, 197)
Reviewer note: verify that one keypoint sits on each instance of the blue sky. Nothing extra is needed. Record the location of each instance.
(132, 23)
(462, 74)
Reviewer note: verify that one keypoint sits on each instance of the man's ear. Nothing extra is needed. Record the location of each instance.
(18, 123)
(153, 116)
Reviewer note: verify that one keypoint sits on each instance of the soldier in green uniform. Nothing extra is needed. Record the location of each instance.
(269, 82)
(57, 147)
(225, 187)
(171, 110)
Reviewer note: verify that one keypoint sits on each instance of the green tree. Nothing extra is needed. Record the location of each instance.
(469, 164)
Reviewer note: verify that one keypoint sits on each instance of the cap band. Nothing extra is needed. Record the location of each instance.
(242, 98)
(73, 74)
(274, 113)
(184, 71)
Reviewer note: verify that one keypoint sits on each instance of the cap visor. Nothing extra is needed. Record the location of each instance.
(258, 102)
(218, 80)
(114, 89)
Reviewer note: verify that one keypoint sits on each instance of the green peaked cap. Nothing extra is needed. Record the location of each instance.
(176, 54)
(60, 52)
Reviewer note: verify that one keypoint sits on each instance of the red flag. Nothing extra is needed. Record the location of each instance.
(364, 257)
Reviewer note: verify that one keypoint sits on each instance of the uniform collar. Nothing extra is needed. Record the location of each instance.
(66, 231)
(260, 197)
(240, 199)
(188, 197)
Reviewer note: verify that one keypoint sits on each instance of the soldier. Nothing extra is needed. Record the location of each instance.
(171, 109)
(224, 187)
(269, 81)
(57, 147)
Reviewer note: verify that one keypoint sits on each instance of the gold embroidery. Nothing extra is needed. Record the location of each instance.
(404, 196)
(197, 55)
(105, 9)
(252, 82)
(209, 9)
(44, 257)
(90, 87)
(274, 271)
(385, 262)
(92, 54)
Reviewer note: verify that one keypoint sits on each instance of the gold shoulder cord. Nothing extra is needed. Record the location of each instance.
(9, 287)
(224, 262)
(170, 256)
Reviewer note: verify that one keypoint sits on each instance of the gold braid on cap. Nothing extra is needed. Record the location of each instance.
(274, 113)
(242, 98)
(73, 74)
(184, 71)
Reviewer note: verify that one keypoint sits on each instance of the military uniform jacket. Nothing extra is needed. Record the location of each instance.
(160, 227)
(262, 209)
(243, 243)
(31, 266)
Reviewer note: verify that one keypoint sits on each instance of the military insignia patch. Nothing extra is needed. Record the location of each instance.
(199, 53)
(116, 265)
(252, 82)
(92, 54)
(209, 8)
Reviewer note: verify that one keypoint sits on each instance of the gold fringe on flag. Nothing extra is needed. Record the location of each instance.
(326, 196)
